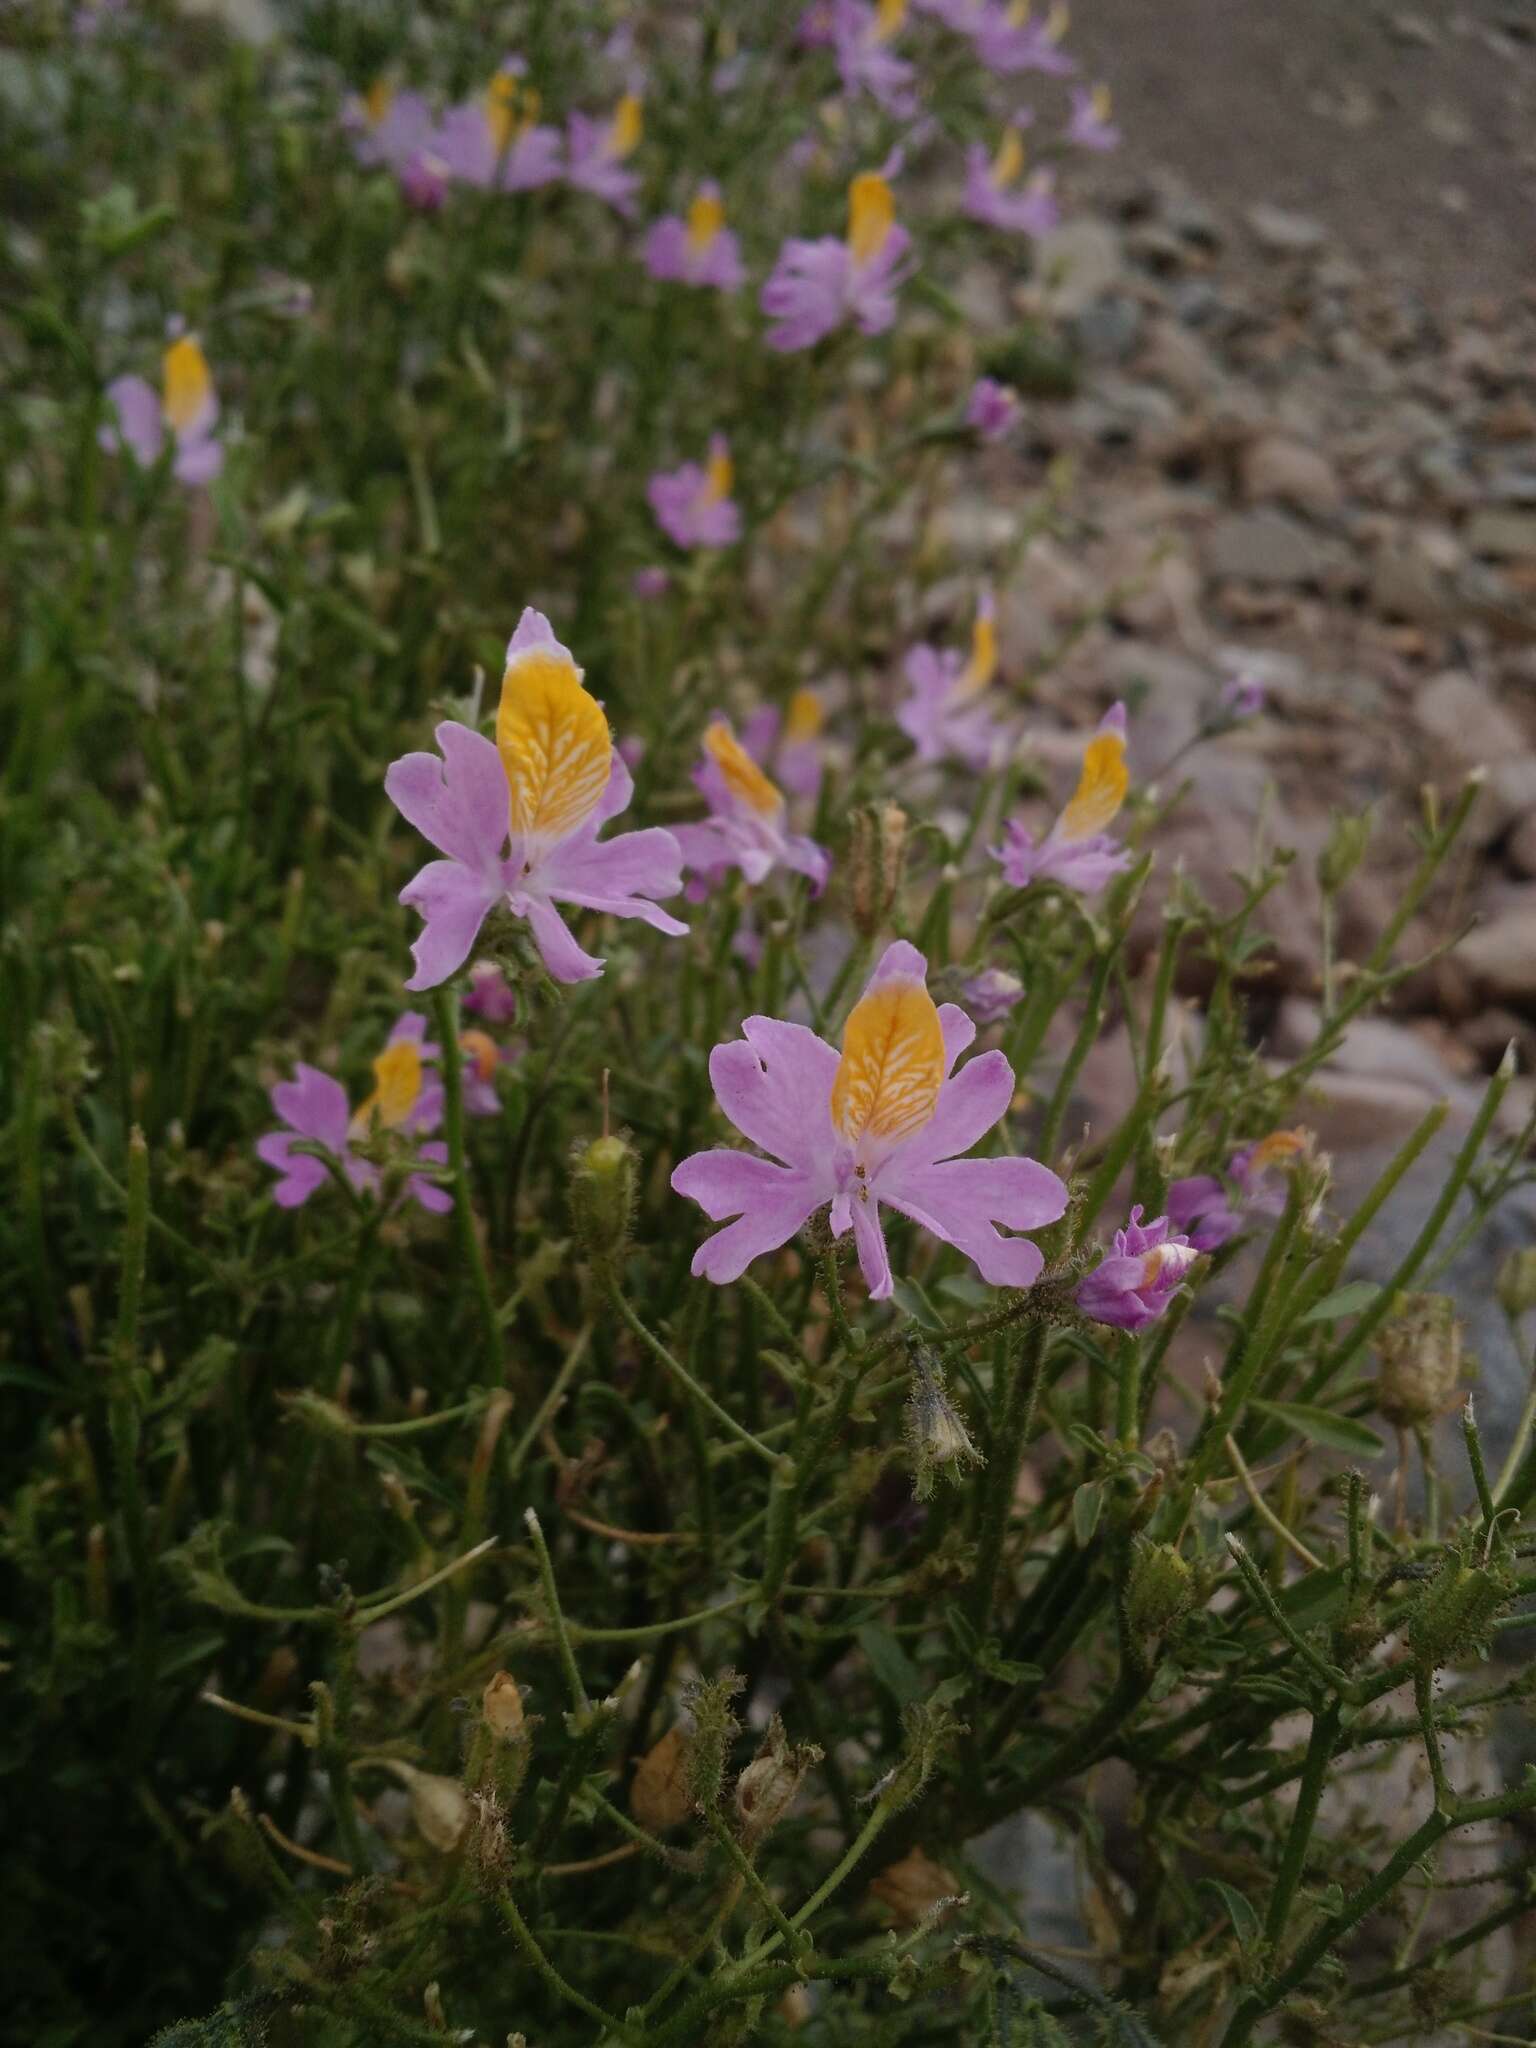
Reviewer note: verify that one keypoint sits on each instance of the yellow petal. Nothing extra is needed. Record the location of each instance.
(187, 383)
(893, 1063)
(1278, 1146)
(706, 217)
(554, 743)
(483, 1050)
(743, 778)
(805, 717)
(1057, 22)
(871, 215)
(1009, 160)
(889, 17)
(720, 472)
(628, 121)
(982, 666)
(1100, 101)
(397, 1079)
(378, 100)
(1101, 790)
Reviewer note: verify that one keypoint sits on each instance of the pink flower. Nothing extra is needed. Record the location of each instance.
(790, 744)
(313, 1105)
(481, 1058)
(882, 1123)
(1243, 696)
(1133, 1284)
(1210, 1214)
(700, 250)
(746, 824)
(497, 139)
(817, 286)
(649, 583)
(861, 37)
(489, 995)
(396, 129)
(1077, 852)
(596, 152)
(518, 820)
(1090, 126)
(943, 714)
(992, 409)
(186, 406)
(994, 195)
(693, 505)
(990, 995)
(1008, 40)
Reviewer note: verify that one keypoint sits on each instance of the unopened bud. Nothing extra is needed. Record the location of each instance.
(1348, 838)
(877, 858)
(603, 1195)
(912, 1888)
(438, 1806)
(714, 1729)
(1160, 1588)
(1419, 1358)
(1516, 1283)
(659, 1797)
(937, 1437)
(502, 1705)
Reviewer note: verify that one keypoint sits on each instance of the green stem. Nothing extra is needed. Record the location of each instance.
(681, 1374)
(1325, 1728)
(556, 1616)
(446, 1006)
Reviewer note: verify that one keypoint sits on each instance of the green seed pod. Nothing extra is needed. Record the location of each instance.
(603, 1196)
(1516, 1283)
(877, 859)
(1420, 1359)
(1452, 1618)
(1160, 1588)
(714, 1729)
(1347, 840)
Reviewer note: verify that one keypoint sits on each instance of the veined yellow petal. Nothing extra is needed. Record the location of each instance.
(186, 382)
(888, 1079)
(510, 107)
(628, 122)
(871, 215)
(554, 743)
(889, 17)
(805, 717)
(743, 778)
(706, 217)
(378, 100)
(1009, 159)
(397, 1083)
(1100, 791)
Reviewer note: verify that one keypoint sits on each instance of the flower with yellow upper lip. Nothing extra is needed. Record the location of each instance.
(597, 153)
(746, 826)
(1077, 852)
(699, 249)
(181, 414)
(693, 505)
(947, 713)
(817, 287)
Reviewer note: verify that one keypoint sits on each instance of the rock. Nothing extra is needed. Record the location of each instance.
(1173, 356)
(1265, 547)
(1079, 262)
(1285, 234)
(1500, 955)
(1405, 583)
(1520, 852)
(1502, 535)
(1461, 715)
(1275, 468)
(1109, 329)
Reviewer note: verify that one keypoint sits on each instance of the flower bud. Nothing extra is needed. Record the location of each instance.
(1348, 838)
(1516, 1283)
(502, 1705)
(438, 1806)
(713, 1729)
(877, 857)
(603, 1196)
(658, 1796)
(1160, 1587)
(1419, 1356)
(1452, 1618)
(937, 1437)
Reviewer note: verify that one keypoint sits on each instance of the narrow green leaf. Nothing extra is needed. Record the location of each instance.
(913, 1300)
(1344, 1301)
(1338, 1432)
(1245, 1922)
(891, 1664)
(1087, 1506)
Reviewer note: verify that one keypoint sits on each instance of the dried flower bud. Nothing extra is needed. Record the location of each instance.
(1160, 1588)
(603, 1195)
(502, 1705)
(1420, 1358)
(1516, 1283)
(766, 1789)
(877, 857)
(937, 1438)
(438, 1806)
(658, 1796)
(1348, 838)
(912, 1888)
